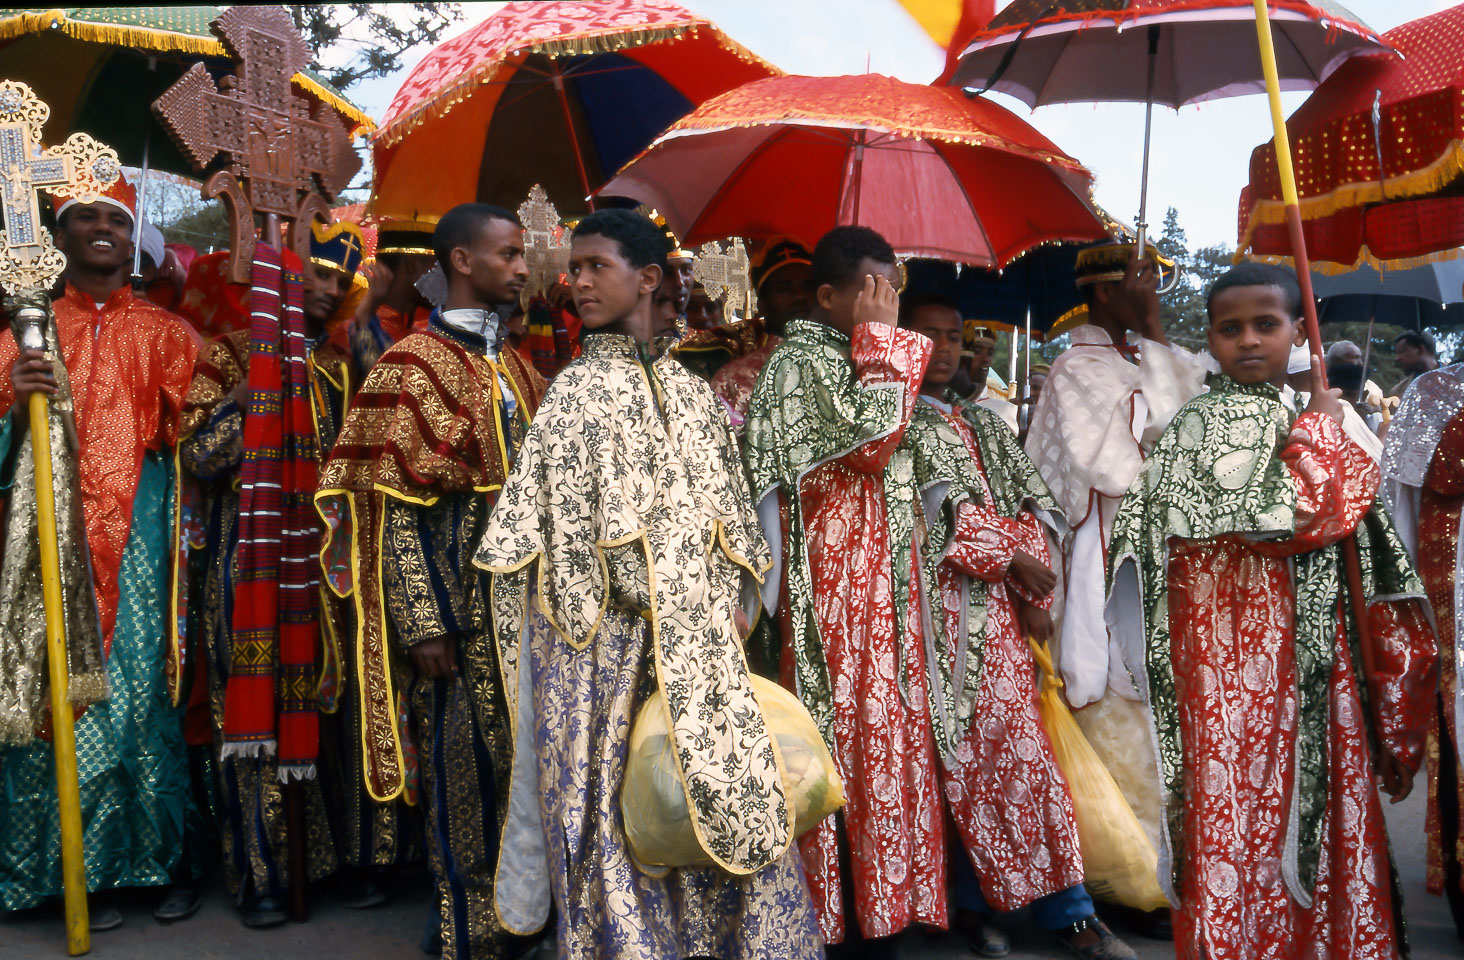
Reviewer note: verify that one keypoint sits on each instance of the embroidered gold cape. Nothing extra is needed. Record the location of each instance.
(23, 680)
(424, 424)
(627, 454)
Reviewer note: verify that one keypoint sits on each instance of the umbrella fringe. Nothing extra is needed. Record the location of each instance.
(1430, 179)
(113, 34)
(1329, 268)
(450, 96)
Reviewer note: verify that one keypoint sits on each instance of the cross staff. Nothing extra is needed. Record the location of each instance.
(80, 168)
(278, 153)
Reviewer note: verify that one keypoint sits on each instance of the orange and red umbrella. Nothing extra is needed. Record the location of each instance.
(557, 93)
(938, 174)
(1379, 153)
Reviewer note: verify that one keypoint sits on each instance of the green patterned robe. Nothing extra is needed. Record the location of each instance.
(131, 759)
(1216, 473)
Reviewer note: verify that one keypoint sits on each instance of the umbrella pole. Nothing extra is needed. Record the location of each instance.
(152, 64)
(63, 732)
(1366, 353)
(858, 174)
(1143, 224)
(1351, 562)
(1024, 413)
(574, 146)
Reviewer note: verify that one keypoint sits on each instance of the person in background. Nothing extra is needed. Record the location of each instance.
(1106, 401)
(213, 450)
(1417, 353)
(785, 292)
(979, 353)
(393, 306)
(1345, 372)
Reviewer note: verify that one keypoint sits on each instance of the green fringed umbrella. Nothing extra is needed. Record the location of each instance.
(100, 69)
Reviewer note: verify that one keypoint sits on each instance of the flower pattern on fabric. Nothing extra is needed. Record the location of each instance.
(1001, 781)
(624, 454)
(1272, 821)
(737, 378)
(1440, 500)
(823, 435)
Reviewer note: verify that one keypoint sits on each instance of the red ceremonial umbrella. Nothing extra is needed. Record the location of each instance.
(1377, 151)
(557, 93)
(1169, 52)
(938, 174)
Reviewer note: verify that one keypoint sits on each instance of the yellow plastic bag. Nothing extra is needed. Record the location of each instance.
(653, 803)
(1119, 862)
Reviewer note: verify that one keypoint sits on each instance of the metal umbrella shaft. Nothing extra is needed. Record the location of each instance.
(63, 731)
(1143, 224)
(1366, 354)
(141, 218)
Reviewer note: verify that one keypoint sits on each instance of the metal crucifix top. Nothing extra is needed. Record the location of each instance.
(283, 162)
(81, 168)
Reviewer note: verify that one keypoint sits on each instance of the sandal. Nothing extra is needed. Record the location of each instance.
(1107, 946)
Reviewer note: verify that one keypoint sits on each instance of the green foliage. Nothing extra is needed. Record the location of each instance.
(373, 36)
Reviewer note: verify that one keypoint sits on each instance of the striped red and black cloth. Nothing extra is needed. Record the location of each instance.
(269, 704)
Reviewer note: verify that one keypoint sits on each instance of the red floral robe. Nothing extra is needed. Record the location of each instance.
(1440, 500)
(1006, 793)
(1231, 606)
(809, 401)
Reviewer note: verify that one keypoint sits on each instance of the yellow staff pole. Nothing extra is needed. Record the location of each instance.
(1351, 562)
(63, 732)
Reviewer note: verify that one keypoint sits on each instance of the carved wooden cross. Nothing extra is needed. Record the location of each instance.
(278, 153)
(80, 168)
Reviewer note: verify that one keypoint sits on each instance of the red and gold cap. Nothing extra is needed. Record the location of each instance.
(121, 194)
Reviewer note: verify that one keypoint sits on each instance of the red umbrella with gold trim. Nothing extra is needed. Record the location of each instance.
(1379, 152)
(937, 173)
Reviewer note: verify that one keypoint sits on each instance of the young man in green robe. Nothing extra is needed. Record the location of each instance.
(1269, 710)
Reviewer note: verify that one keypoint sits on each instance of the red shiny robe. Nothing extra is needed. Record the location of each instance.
(1438, 563)
(1231, 606)
(130, 363)
(1006, 792)
(886, 751)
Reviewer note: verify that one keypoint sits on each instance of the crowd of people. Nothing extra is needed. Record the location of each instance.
(400, 583)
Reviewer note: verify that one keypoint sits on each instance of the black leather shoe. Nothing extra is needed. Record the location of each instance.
(179, 903)
(262, 912)
(359, 892)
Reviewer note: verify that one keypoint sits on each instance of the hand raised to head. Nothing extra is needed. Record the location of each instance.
(877, 302)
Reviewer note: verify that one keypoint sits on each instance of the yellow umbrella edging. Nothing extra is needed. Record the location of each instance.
(606, 40)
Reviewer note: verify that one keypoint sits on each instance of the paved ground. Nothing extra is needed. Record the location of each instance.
(391, 932)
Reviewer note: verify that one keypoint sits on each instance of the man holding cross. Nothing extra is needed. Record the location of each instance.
(128, 362)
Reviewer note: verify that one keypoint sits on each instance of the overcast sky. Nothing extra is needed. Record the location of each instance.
(1200, 155)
